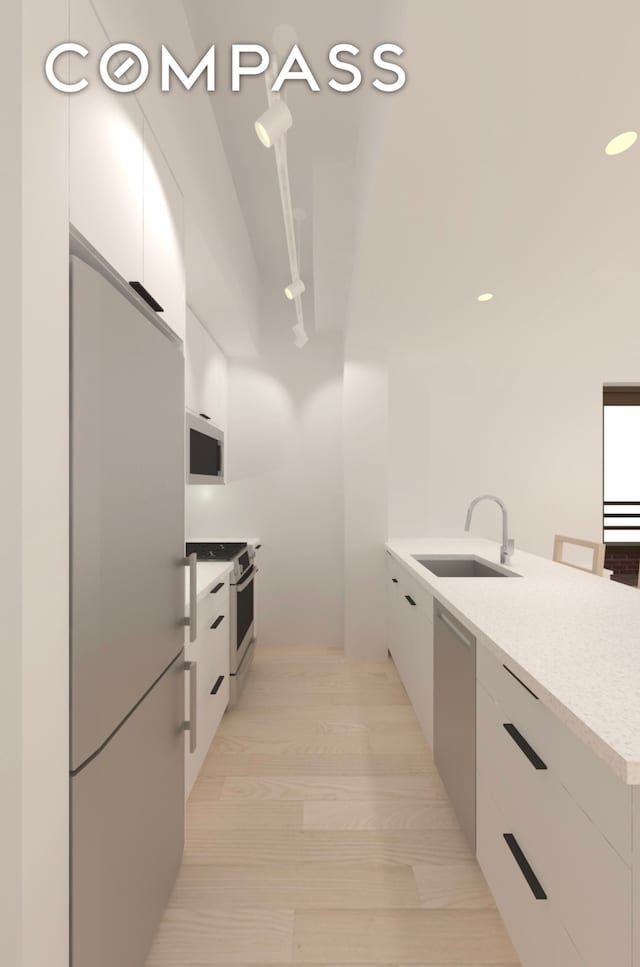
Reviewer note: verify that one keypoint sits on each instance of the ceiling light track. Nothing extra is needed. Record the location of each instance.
(271, 128)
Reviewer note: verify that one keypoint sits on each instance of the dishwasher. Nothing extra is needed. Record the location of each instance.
(454, 715)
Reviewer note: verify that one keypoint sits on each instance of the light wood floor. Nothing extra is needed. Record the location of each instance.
(319, 833)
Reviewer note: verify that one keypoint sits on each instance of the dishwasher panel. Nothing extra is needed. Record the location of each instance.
(454, 726)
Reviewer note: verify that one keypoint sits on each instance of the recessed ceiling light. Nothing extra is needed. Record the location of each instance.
(621, 142)
(485, 297)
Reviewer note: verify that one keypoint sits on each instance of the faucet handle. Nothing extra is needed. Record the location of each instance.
(511, 545)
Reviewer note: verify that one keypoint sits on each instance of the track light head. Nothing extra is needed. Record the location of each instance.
(275, 122)
(294, 289)
(301, 339)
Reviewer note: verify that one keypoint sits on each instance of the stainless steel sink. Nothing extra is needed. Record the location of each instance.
(461, 566)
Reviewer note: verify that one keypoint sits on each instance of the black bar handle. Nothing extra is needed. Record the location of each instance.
(217, 622)
(146, 295)
(217, 588)
(257, 547)
(394, 580)
(524, 746)
(520, 682)
(205, 416)
(216, 687)
(410, 600)
(534, 883)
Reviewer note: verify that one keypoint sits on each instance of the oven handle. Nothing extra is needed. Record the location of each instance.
(247, 581)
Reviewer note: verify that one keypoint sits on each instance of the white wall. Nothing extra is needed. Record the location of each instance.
(205, 373)
(10, 499)
(519, 414)
(36, 614)
(285, 487)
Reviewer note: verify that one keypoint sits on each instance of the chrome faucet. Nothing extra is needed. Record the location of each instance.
(508, 544)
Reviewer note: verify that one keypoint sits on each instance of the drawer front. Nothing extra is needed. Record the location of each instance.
(407, 584)
(602, 796)
(534, 928)
(212, 605)
(588, 884)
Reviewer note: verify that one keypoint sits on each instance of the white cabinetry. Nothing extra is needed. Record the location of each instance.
(411, 640)
(210, 653)
(206, 373)
(106, 159)
(571, 820)
(163, 272)
(123, 197)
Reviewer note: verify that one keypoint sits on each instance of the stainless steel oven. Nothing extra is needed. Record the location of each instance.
(242, 608)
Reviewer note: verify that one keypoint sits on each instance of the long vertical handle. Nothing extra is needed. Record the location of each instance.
(192, 724)
(192, 620)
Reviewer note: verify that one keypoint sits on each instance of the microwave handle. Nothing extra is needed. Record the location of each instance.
(192, 620)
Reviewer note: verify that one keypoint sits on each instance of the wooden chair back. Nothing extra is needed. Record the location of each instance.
(598, 550)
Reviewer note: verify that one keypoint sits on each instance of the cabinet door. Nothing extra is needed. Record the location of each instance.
(206, 373)
(163, 248)
(106, 160)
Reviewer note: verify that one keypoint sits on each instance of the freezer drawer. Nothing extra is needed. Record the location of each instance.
(127, 831)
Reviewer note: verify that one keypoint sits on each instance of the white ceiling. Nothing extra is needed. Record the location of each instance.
(322, 145)
(486, 172)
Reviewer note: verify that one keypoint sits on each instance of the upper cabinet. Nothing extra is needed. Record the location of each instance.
(123, 196)
(206, 373)
(163, 236)
(106, 161)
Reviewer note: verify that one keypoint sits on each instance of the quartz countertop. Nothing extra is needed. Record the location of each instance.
(575, 635)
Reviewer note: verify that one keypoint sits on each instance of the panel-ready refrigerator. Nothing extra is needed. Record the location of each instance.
(127, 620)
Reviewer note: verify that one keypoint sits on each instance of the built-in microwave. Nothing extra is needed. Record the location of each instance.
(205, 451)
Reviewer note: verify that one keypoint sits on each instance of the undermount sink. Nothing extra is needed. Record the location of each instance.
(460, 566)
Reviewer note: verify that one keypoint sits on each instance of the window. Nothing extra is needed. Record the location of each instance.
(621, 437)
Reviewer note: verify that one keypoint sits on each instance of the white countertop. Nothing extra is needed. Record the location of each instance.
(576, 635)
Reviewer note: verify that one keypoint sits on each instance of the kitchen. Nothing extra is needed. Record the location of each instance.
(410, 398)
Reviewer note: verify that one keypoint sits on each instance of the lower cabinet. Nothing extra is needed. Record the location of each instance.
(209, 658)
(410, 637)
(563, 889)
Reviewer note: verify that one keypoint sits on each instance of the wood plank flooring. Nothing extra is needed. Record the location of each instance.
(319, 833)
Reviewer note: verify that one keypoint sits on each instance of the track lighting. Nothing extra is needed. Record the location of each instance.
(275, 122)
(301, 338)
(294, 289)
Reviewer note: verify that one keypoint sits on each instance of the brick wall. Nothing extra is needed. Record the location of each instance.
(624, 561)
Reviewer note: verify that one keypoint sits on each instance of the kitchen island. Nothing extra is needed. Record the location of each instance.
(557, 717)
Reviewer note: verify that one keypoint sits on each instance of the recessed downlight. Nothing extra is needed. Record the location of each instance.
(621, 142)
(485, 297)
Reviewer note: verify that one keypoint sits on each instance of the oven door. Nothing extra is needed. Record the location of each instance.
(242, 617)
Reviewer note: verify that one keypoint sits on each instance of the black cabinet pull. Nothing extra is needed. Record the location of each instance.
(524, 746)
(534, 883)
(216, 687)
(205, 416)
(257, 547)
(217, 622)
(394, 580)
(217, 588)
(520, 682)
(410, 600)
(146, 295)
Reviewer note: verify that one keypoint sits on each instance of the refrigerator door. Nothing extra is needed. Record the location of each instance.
(127, 821)
(127, 530)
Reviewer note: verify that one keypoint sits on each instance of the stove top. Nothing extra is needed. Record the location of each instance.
(217, 551)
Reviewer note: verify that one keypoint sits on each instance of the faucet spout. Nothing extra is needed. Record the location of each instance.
(508, 545)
